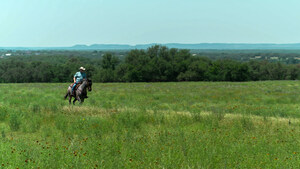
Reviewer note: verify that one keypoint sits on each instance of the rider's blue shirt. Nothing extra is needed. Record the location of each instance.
(80, 76)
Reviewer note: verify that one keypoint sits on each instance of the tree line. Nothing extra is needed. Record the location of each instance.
(156, 64)
(282, 56)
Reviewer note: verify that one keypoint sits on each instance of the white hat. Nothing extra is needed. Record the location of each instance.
(81, 68)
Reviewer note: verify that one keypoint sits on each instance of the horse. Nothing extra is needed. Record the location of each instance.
(80, 93)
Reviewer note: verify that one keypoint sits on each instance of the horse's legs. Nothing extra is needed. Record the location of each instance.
(70, 98)
(78, 98)
(74, 101)
(66, 95)
(82, 100)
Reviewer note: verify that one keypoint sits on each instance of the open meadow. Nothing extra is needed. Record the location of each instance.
(152, 125)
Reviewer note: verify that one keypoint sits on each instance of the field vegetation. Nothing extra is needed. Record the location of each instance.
(152, 125)
(156, 64)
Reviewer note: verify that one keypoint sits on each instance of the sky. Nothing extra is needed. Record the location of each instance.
(55, 23)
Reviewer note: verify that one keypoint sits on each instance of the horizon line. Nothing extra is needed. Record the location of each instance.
(88, 45)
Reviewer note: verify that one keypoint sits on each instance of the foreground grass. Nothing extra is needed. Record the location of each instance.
(152, 125)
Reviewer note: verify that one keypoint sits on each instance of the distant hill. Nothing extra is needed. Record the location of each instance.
(190, 46)
(216, 46)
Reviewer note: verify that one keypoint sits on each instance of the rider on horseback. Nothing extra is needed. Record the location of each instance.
(79, 77)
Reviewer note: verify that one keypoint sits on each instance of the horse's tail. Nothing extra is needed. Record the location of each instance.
(67, 94)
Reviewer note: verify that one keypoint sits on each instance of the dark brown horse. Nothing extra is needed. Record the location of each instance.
(80, 93)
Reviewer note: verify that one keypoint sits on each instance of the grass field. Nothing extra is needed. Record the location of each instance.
(152, 125)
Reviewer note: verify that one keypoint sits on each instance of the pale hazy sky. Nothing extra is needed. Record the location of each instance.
(32, 23)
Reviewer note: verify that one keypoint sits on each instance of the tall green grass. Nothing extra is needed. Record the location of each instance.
(152, 125)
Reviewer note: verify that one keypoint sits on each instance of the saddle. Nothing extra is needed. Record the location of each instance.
(76, 87)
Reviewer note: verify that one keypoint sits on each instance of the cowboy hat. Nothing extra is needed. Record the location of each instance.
(81, 68)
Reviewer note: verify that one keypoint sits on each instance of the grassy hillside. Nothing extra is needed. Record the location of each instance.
(152, 125)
